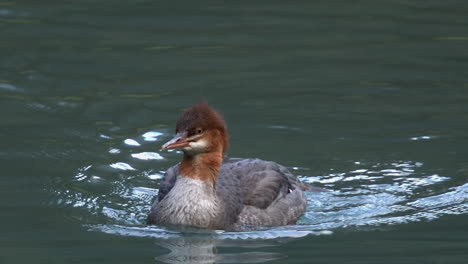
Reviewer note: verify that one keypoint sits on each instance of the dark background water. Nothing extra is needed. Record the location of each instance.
(366, 98)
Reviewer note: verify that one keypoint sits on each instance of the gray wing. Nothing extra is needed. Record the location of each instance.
(270, 194)
(263, 180)
(168, 181)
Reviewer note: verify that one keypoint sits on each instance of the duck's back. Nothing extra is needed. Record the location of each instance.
(252, 192)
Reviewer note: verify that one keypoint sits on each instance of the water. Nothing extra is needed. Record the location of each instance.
(367, 99)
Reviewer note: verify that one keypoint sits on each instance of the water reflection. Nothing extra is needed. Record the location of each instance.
(207, 250)
(201, 246)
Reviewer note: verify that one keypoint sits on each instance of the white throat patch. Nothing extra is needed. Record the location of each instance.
(197, 146)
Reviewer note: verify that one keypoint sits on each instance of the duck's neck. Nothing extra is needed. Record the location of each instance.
(204, 167)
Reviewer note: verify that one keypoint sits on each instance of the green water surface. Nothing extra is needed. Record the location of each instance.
(368, 99)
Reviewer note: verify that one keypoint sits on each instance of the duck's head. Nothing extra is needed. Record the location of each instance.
(201, 129)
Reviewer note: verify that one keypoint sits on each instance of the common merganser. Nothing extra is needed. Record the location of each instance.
(207, 190)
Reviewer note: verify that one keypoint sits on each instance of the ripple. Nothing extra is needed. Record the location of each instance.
(152, 135)
(122, 166)
(422, 138)
(281, 127)
(383, 194)
(80, 175)
(367, 195)
(114, 151)
(147, 156)
(156, 176)
(456, 196)
(8, 87)
(5, 12)
(158, 232)
(105, 136)
(132, 142)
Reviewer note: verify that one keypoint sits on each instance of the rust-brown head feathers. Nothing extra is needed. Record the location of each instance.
(205, 117)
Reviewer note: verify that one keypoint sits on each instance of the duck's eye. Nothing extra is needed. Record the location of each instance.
(199, 131)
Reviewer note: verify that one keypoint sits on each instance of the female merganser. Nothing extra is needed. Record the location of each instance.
(208, 191)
